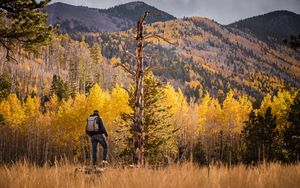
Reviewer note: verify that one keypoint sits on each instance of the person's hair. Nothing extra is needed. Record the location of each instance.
(96, 111)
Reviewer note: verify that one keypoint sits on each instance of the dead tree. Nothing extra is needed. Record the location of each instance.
(138, 76)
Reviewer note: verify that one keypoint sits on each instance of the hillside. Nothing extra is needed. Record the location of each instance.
(271, 27)
(73, 19)
(211, 57)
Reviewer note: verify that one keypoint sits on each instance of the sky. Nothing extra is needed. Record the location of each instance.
(222, 11)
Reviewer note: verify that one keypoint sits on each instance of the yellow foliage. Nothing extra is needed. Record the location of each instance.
(279, 105)
(118, 103)
(12, 111)
(214, 119)
(229, 118)
(177, 100)
(236, 112)
(98, 99)
(115, 60)
(203, 108)
(53, 105)
(32, 107)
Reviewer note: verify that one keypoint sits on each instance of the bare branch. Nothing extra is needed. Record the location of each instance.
(159, 38)
(144, 17)
(158, 68)
(8, 48)
(146, 44)
(150, 68)
(127, 69)
(140, 25)
(156, 54)
(131, 54)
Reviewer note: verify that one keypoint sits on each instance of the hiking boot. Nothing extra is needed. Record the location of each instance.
(104, 163)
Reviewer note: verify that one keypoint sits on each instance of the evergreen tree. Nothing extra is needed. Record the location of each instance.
(251, 138)
(5, 86)
(95, 53)
(23, 23)
(59, 88)
(158, 142)
(199, 154)
(291, 134)
(270, 136)
(260, 137)
(293, 42)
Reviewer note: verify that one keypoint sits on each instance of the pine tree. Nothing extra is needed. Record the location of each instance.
(24, 24)
(291, 133)
(251, 139)
(95, 53)
(5, 86)
(59, 88)
(199, 154)
(260, 137)
(158, 142)
(270, 136)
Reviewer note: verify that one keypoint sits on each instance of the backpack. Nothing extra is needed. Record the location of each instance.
(91, 124)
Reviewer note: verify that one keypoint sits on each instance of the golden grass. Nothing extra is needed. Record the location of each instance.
(187, 175)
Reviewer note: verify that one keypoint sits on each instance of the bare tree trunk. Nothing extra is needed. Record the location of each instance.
(138, 137)
(138, 128)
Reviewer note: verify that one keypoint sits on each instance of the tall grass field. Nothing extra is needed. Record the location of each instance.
(186, 175)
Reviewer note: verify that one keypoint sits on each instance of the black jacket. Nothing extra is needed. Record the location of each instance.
(102, 129)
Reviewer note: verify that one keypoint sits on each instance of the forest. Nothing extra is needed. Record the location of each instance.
(222, 104)
(192, 113)
(229, 131)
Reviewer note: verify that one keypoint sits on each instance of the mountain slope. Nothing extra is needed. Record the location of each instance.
(211, 57)
(271, 27)
(74, 19)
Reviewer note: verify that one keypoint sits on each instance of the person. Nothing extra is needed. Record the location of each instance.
(95, 129)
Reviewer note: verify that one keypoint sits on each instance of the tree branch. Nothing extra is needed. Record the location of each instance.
(142, 20)
(146, 44)
(128, 70)
(131, 54)
(8, 50)
(159, 38)
(158, 68)
(156, 54)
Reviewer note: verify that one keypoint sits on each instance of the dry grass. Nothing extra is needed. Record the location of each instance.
(275, 175)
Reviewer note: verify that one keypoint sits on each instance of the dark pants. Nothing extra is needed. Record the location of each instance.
(99, 138)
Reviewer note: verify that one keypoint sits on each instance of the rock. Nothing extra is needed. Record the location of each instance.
(90, 170)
